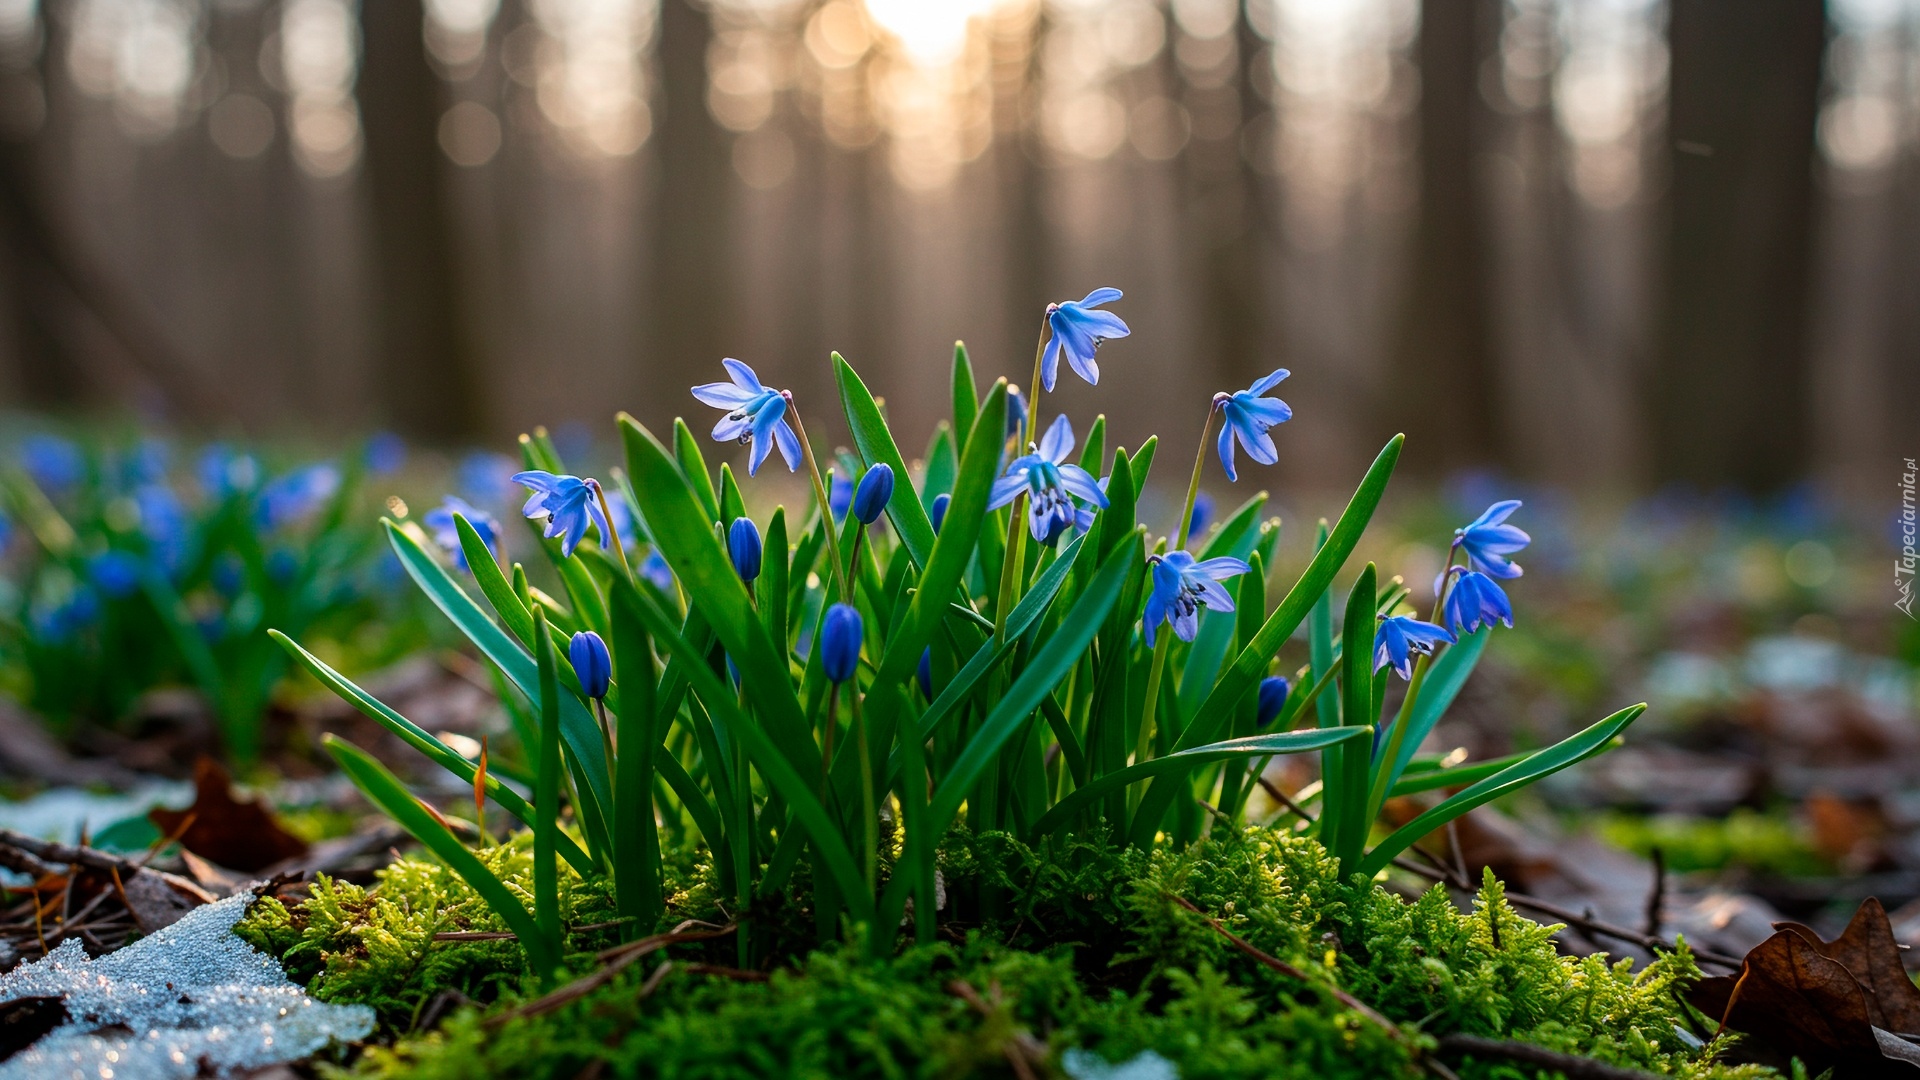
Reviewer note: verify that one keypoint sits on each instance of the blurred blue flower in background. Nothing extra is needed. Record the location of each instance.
(485, 477)
(1202, 514)
(1182, 586)
(282, 566)
(1401, 636)
(1488, 540)
(1248, 416)
(223, 471)
(289, 498)
(1016, 411)
(1078, 331)
(54, 463)
(839, 495)
(937, 513)
(146, 463)
(386, 452)
(117, 573)
(755, 415)
(447, 534)
(1051, 483)
(657, 572)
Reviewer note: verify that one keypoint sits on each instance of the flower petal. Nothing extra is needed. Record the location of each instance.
(1050, 363)
(789, 444)
(1081, 484)
(1226, 451)
(1057, 443)
(537, 479)
(1106, 294)
(743, 376)
(1006, 489)
(723, 395)
(1222, 567)
(1213, 595)
(730, 427)
(1495, 514)
(1101, 324)
(1265, 411)
(1262, 385)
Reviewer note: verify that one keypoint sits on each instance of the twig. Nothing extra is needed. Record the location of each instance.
(1287, 969)
(1022, 1049)
(1657, 898)
(1584, 923)
(1570, 1065)
(1283, 799)
(616, 959)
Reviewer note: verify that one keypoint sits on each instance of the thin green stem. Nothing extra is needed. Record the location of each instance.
(869, 823)
(606, 511)
(743, 845)
(820, 493)
(1377, 797)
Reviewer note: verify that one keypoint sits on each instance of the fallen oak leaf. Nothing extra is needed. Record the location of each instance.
(238, 834)
(1867, 948)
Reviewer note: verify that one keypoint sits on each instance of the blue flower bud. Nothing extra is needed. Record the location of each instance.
(840, 642)
(938, 514)
(1273, 698)
(875, 491)
(591, 663)
(925, 673)
(743, 546)
(116, 572)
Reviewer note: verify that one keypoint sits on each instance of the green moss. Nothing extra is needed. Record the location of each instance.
(1746, 838)
(1084, 948)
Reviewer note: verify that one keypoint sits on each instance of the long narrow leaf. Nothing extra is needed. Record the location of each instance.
(875, 443)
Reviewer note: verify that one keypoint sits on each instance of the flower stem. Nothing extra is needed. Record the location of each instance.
(1144, 745)
(742, 845)
(1377, 797)
(820, 493)
(619, 549)
(869, 825)
(1016, 550)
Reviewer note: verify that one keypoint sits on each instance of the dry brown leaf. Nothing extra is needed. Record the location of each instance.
(229, 832)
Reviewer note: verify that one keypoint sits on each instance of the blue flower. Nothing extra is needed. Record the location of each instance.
(116, 572)
(743, 546)
(6, 530)
(840, 642)
(296, 495)
(1016, 411)
(1273, 698)
(568, 503)
(1399, 637)
(484, 477)
(1181, 587)
(1473, 602)
(146, 463)
(875, 491)
(385, 453)
(1248, 417)
(657, 572)
(924, 673)
(447, 535)
(937, 513)
(755, 415)
(222, 471)
(164, 523)
(282, 565)
(1202, 514)
(592, 664)
(1078, 330)
(1051, 483)
(839, 495)
(1488, 540)
(54, 463)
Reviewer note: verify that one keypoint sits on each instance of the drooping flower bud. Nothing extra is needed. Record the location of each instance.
(840, 642)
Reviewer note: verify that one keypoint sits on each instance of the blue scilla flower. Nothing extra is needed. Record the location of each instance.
(1273, 698)
(223, 471)
(1399, 637)
(1248, 416)
(386, 452)
(1202, 514)
(937, 513)
(743, 546)
(1016, 411)
(485, 477)
(1051, 483)
(755, 415)
(6, 530)
(163, 521)
(870, 498)
(54, 463)
(1488, 540)
(592, 664)
(567, 502)
(1473, 602)
(655, 569)
(447, 535)
(840, 642)
(297, 494)
(1182, 586)
(1078, 330)
(117, 573)
(146, 463)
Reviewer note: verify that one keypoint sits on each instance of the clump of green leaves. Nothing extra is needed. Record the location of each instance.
(1768, 842)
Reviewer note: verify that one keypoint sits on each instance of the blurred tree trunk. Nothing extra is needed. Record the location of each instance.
(1902, 352)
(427, 361)
(1729, 396)
(690, 291)
(1444, 390)
(1023, 190)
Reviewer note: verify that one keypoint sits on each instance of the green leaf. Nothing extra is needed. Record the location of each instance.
(386, 792)
(1143, 464)
(693, 464)
(1569, 751)
(770, 592)
(1460, 776)
(876, 446)
(592, 781)
(493, 584)
(1443, 683)
(546, 789)
(1093, 456)
(966, 400)
(1247, 668)
(732, 505)
(1344, 823)
(1285, 742)
(413, 735)
(943, 463)
(636, 842)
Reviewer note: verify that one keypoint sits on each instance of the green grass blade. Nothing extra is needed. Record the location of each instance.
(966, 399)
(493, 584)
(1569, 751)
(1285, 742)
(693, 464)
(1455, 776)
(875, 443)
(1444, 680)
(1344, 823)
(386, 792)
(546, 789)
